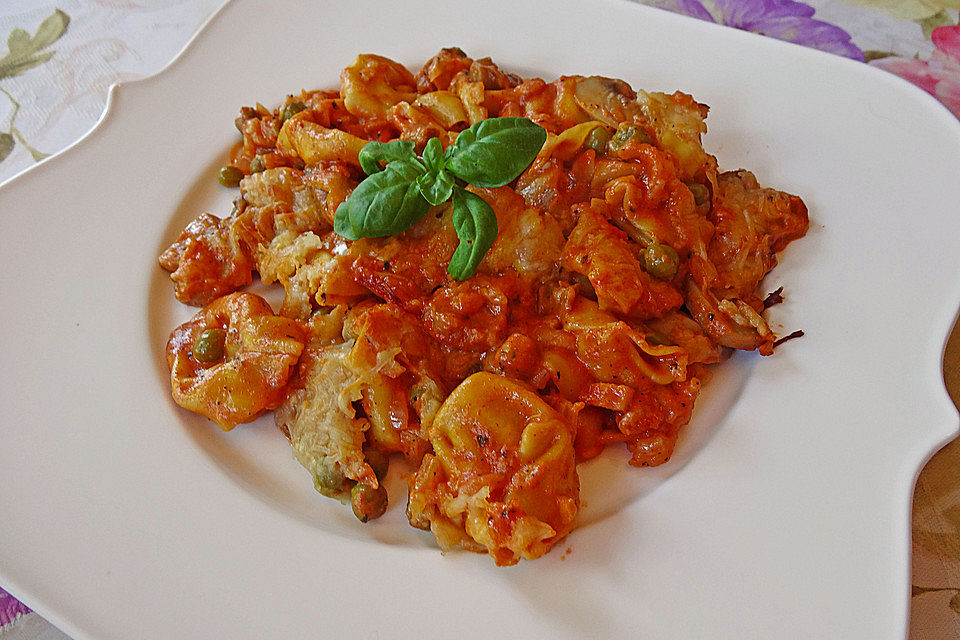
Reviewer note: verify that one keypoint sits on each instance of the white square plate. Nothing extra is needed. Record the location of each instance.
(785, 513)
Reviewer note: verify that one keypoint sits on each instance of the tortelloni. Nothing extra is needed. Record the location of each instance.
(503, 475)
(625, 263)
(232, 361)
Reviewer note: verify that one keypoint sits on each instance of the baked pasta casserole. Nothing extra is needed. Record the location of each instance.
(623, 263)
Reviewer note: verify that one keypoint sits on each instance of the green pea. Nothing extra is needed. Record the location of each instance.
(626, 133)
(701, 193)
(208, 346)
(598, 139)
(329, 480)
(661, 261)
(368, 504)
(256, 165)
(230, 176)
(291, 109)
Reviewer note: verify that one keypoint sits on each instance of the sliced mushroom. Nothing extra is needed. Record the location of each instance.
(608, 100)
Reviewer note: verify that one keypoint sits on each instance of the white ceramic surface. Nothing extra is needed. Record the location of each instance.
(784, 515)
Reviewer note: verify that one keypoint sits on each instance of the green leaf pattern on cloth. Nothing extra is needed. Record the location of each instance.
(6, 145)
(24, 53)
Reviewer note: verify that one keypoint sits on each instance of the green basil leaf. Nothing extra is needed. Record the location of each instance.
(476, 226)
(433, 155)
(385, 203)
(373, 153)
(495, 151)
(452, 148)
(341, 223)
(436, 187)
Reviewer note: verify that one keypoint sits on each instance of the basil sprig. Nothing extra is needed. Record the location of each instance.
(400, 187)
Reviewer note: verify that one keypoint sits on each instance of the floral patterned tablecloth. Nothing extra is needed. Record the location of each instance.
(61, 57)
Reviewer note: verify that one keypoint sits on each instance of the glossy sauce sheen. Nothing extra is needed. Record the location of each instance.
(625, 263)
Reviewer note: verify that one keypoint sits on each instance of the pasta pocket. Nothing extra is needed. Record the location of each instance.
(232, 361)
(503, 478)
